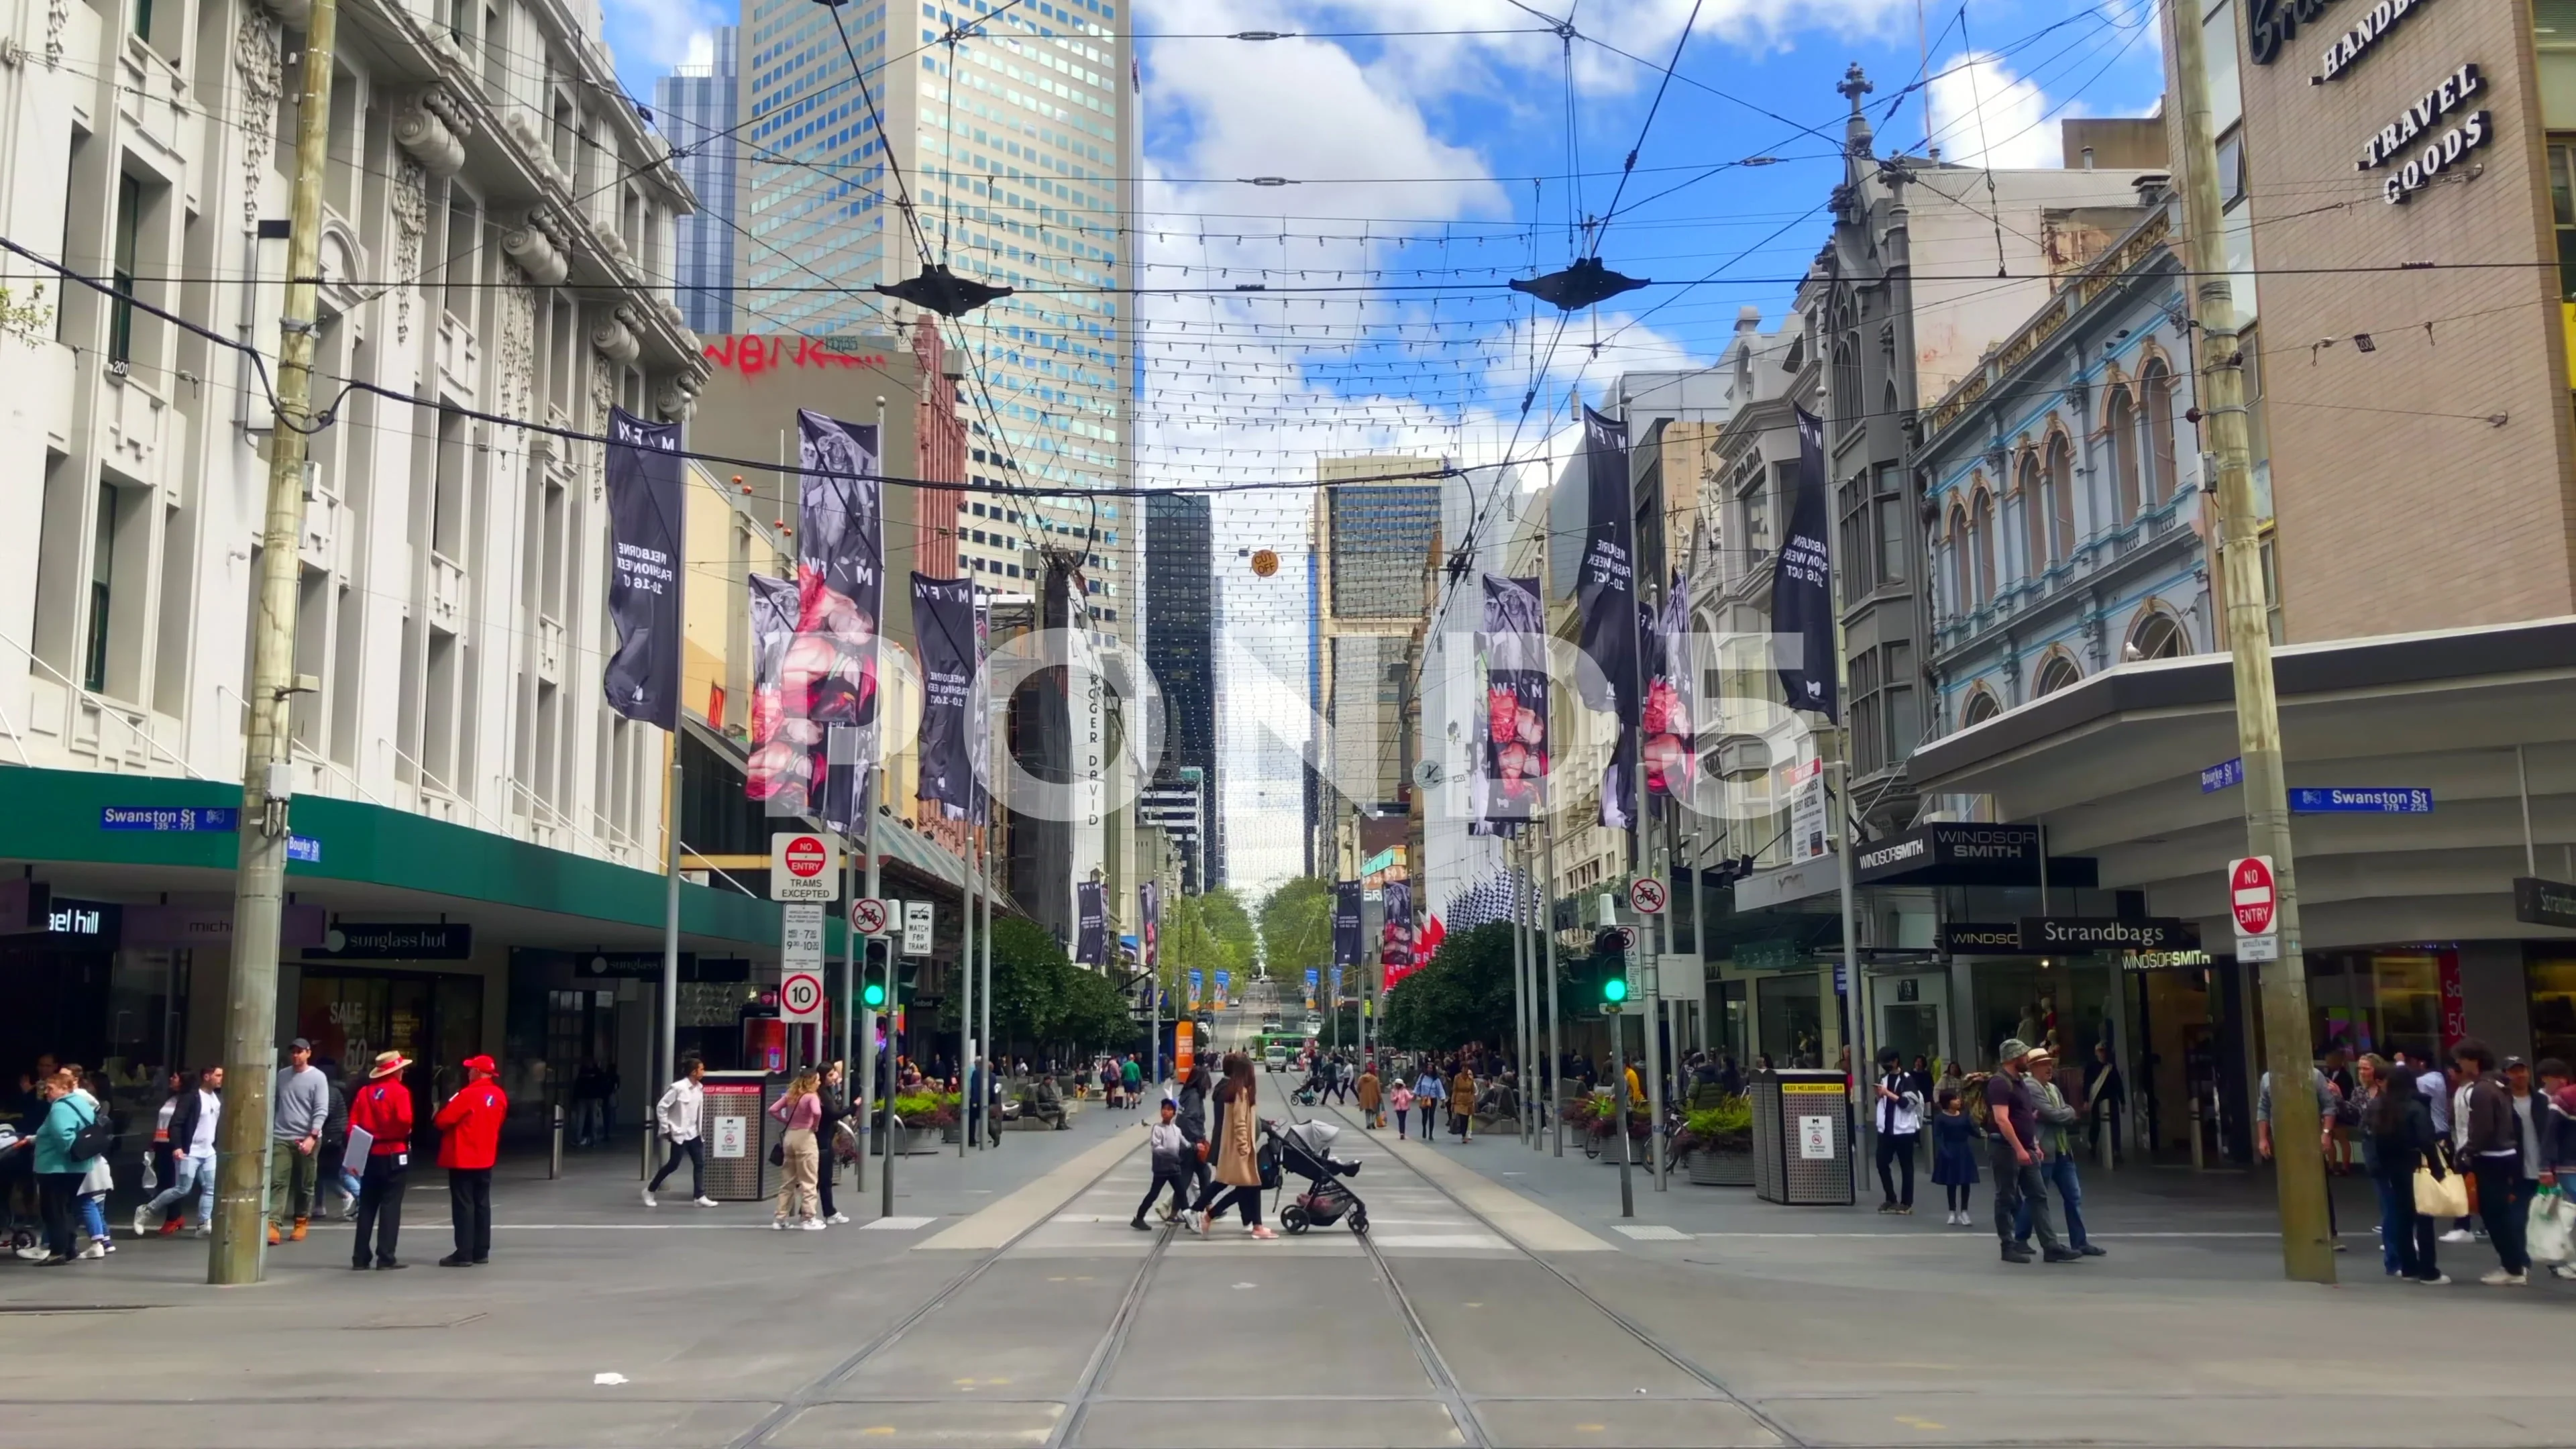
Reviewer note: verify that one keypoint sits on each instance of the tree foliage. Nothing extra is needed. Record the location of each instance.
(1041, 1000)
(1297, 927)
(1463, 995)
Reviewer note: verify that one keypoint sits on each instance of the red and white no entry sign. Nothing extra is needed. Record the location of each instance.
(2252, 895)
(868, 916)
(803, 867)
(1646, 894)
(800, 996)
(805, 857)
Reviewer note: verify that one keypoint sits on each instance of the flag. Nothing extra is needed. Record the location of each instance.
(1671, 747)
(1802, 601)
(840, 597)
(1395, 936)
(780, 769)
(1513, 731)
(1091, 923)
(943, 617)
(1224, 980)
(1606, 597)
(645, 501)
(1149, 919)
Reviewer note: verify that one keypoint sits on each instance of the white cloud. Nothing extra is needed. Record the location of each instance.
(702, 48)
(648, 37)
(1984, 115)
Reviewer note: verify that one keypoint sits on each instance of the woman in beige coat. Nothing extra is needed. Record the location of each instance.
(1236, 1153)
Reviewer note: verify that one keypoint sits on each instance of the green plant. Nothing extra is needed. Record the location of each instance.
(1725, 1126)
(30, 321)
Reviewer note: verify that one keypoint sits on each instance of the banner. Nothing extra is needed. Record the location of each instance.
(1149, 922)
(1198, 984)
(1346, 922)
(1224, 982)
(840, 596)
(1395, 937)
(1606, 596)
(1314, 982)
(645, 501)
(780, 769)
(1337, 987)
(1091, 923)
(1514, 728)
(943, 620)
(1672, 749)
(1802, 600)
(979, 722)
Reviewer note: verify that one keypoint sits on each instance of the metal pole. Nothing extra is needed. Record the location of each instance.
(966, 1083)
(670, 937)
(1839, 821)
(259, 883)
(1522, 978)
(1619, 1085)
(1546, 893)
(984, 939)
(849, 974)
(1641, 858)
(864, 950)
(2307, 1248)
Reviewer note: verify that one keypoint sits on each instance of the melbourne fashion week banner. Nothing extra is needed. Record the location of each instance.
(943, 617)
(1671, 749)
(1395, 937)
(1515, 723)
(840, 595)
(780, 770)
(1091, 923)
(1606, 596)
(642, 680)
(1149, 922)
(1802, 603)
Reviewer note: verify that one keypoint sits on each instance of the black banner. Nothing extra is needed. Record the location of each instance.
(1606, 591)
(1395, 935)
(645, 499)
(1346, 923)
(780, 770)
(1802, 598)
(1149, 923)
(1672, 748)
(1091, 923)
(943, 619)
(1514, 729)
(840, 597)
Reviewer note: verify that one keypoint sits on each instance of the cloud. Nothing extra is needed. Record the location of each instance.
(648, 37)
(1984, 115)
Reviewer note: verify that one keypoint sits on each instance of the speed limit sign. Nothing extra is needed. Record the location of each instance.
(800, 997)
(868, 916)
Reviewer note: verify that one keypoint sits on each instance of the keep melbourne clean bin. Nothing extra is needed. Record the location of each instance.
(737, 1128)
(1801, 1139)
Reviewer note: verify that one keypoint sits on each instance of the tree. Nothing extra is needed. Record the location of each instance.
(1463, 995)
(1041, 999)
(1297, 927)
(1232, 926)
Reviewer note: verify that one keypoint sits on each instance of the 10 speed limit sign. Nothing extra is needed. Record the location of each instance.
(800, 997)
(1646, 894)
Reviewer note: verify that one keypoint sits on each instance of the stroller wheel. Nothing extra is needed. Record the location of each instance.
(1359, 1220)
(1293, 1218)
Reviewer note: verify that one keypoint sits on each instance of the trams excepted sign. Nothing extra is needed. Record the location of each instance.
(803, 867)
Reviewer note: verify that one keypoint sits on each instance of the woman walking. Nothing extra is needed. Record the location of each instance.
(1238, 1161)
(1954, 1154)
(1369, 1096)
(2402, 1139)
(827, 1141)
(1190, 1114)
(1427, 1095)
(1462, 1103)
(58, 1174)
(802, 1111)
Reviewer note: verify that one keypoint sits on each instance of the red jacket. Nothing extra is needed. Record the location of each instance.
(470, 1126)
(383, 1107)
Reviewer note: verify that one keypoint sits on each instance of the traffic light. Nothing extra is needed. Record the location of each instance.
(872, 996)
(1600, 980)
(1614, 989)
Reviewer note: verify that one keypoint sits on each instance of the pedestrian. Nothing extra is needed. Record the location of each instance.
(2558, 1138)
(2531, 1124)
(1369, 1094)
(1427, 1095)
(1954, 1154)
(2326, 1102)
(1190, 1116)
(98, 1173)
(2055, 1117)
(827, 1139)
(335, 1141)
(2402, 1138)
(162, 1160)
(1462, 1104)
(1174, 1158)
(676, 1117)
(1131, 1080)
(2017, 1157)
(1237, 1156)
(59, 1170)
(2492, 1149)
(192, 1166)
(469, 1142)
(589, 1085)
(1400, 1101)
(801, 1111)
(300, 1109)
(1900, 1128)
(382, 1110)
(2106, 1096)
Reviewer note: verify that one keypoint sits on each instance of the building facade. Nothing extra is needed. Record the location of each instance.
(1180, 652)
(1376, 549)
(695, 106)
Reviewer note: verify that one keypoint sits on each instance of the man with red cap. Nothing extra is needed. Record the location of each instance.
(469, 1140)
(382, 1110)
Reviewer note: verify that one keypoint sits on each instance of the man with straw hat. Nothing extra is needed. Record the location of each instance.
(382, 1110)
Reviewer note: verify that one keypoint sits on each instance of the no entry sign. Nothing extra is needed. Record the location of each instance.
(2252, 895)
(803, 867)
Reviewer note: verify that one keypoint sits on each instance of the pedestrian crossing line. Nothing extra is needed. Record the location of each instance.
(996, 1225)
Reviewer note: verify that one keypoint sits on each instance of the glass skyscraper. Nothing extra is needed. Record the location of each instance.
(695, 107)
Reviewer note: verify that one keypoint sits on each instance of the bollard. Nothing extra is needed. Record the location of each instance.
(2102, 1133)
(2197, 1163)
(554, 1161)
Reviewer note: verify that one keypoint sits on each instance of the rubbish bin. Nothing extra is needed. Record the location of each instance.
(737, 1128)
(1802, 1149)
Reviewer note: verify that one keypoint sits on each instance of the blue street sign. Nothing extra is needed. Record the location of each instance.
(2220, 776)
(2345, 800)
(304, 849)
(219, 818)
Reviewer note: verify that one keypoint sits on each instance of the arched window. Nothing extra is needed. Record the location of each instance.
(1847, 402)
(2061, 498)
(2158, 635)
(2056, 674)
(2155, 406)
(1981, 708)
(1981, 536)
(2034, 514)
(2120, 427)
(1955, 562)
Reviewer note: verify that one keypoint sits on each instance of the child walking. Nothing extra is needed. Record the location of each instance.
(1401, 1101)
(1954, 1154)
(1174, 1164)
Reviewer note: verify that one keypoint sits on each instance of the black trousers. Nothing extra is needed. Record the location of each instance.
(826, 1167)
(380, 1197)
(1897, 1149)
(696, 1151)
(1246, 1198)
(469, 1201)
(58, 1199)
(1174, 1175)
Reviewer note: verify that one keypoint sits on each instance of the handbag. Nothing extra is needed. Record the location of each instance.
(2549, 1234)
(2441, 1197)
(778, 1154)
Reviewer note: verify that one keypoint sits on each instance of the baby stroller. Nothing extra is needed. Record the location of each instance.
(1306, 1149)
(1306, 1095)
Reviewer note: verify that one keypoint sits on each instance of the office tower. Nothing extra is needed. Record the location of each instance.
(1179, 649)
(695, 106)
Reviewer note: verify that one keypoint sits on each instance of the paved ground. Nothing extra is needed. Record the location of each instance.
(1495, 1301)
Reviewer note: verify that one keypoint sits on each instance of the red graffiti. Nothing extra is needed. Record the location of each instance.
(752, 356)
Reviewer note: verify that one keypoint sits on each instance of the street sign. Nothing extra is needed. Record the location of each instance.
(800, 996)
(2536, 902)
(803, 867)
(1646, 894)
(2252, 894)
(2225, 775)
(2363, 800)
(1623, 938)
(916, 928)
(868, 916)
(800, 936)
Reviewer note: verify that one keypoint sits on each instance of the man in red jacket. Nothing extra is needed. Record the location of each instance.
(469, 1139)
(382, 1109)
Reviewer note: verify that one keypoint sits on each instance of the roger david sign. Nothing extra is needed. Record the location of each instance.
(803, 866)
(2425, 140)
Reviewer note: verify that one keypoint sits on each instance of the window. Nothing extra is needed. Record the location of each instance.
(2562, 209)
(2157, 636)
(129, 219)
(2120, 424)
(1981, 708)
(1847, 405)
(1895, 536)
(2059, 672)
(143, 20)
(1961, 600)
(1852, 560)
(2061, 498)
(1902, 726)
(1756, 504)
(2155, 400)
(2034, 513)
(102, 577)
(1981, 534)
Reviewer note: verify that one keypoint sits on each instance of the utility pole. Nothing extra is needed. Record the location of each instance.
(1547, 922)
(268, 785)
(1514, 854)
(866, 949)
(670, 1043)
(2307, 1246)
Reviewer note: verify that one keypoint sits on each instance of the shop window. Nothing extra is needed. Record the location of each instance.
(2552, 982)
(1790, 1014)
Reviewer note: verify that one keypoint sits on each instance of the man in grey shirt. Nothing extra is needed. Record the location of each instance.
(302, 1104)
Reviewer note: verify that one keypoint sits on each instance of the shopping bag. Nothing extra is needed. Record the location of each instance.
(2443, 1197)
(2550, 1233)
(151, 1182)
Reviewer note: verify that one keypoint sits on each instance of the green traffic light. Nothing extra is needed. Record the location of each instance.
(1614, 988)
(872, 995)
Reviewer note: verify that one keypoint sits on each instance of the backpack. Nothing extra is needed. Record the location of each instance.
(92, 1140)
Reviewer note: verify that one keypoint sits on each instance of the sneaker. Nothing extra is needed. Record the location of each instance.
(204, 1230)
(2092, 1250)
(297, 1235)
(2502, 1279)
(1140, 1225)
(648, 1198)
(1264, 1233)
(704, 1201)
(1887, 1207)
(2062, 1255)
(837, 1218)
(456, 1260)
(2016, 1253)
(142, 1216)
(348, 1209)
(811, 1225)
(2563, 1270)
(91, 1250)
(778, 1225)
(2457, 1235)
(273, 1237)
(2438, 1280)
(391, 1265)
(33, 1254)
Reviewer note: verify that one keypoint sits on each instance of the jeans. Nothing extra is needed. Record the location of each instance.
(469, 1204)
(93, 1213)
(380, 1199)
(1897, 1149)
(2060, 1171)
(187, 1174)
(1430, 1112)
(2504, 1201)
(2017, 1183)
(695, 1150)
(293, 1178)
(2408, 1240)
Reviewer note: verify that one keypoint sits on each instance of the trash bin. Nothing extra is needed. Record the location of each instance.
(737, 1128)
(1802, 1146)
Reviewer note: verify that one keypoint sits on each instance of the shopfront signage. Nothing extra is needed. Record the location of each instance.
(2166, 960)
(162, 928)
(2270, 24)
(1810, 832)
(2373, 800)
(2538, 902)
(87, 920)
(2413, 166)
(1963, 853)
(394, 941)
(753, 356)
(2053, 935)
(1981, 938)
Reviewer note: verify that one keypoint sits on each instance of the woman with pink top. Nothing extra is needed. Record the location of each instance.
(801, 1110)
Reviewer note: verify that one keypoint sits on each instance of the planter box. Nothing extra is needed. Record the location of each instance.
(951, 1136)
(916, 1141)
(1721, 1168)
